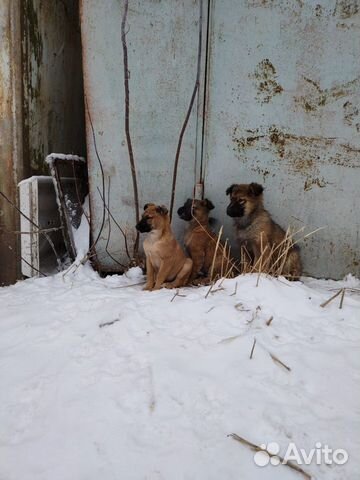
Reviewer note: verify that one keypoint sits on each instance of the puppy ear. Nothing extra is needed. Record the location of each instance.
(147, 205)
(161, 209)
(230, 189)
(255, 189)
(208, 204)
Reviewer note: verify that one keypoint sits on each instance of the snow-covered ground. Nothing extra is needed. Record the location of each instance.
(100, 380)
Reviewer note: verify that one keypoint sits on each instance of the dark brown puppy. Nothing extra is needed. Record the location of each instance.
(256, 231)
(200, 240)
(165, 260)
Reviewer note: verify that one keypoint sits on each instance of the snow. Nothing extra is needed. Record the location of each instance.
(63, 156)
(34, 178)
(101, 380)
(81, 235)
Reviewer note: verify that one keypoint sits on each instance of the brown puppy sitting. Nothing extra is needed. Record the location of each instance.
(165, 260)
(200, 240)
(257, 232)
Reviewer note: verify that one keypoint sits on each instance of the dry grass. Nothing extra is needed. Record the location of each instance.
(272, 260)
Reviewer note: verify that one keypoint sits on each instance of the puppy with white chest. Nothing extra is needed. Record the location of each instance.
(166, 263)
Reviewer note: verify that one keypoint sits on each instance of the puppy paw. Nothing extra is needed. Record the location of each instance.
(148, 288)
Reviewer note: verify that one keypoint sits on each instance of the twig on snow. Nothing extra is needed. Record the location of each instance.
(177, 294)
(279, 362)
(256, 448)
(323, 305)
(342, 298)
(253, 348)
(235, 291)
(106, 324)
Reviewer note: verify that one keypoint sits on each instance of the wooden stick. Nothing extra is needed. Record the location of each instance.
(177, 294)
(256, 448)
(277, 360)
(208, 292)
(323, 305)
(234, 293)
(215, 253)
(342, 298)
(217, 290)
(127, 286)
(106, 324)
(253, 347)
(268, 323)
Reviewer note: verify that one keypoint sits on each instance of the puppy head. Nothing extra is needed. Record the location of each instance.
(244, 199)
(153, 218)
(198, 209)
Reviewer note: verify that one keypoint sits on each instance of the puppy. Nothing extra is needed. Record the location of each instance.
(256, 231)
(165, 260)
(200, 240)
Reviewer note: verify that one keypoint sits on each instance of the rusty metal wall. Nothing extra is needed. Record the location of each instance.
(52, 81)
(162, 38)
(284, 100)
(282, 108)
(41, 102)
(11, 165)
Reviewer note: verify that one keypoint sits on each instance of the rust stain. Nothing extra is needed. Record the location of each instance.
(274, 3)
(265, 80)
(346, 8)
(262, 171)
(318, 10)
(352, 257)
(316, 97)
(351, 115)
(300, 154)
(315, 182)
